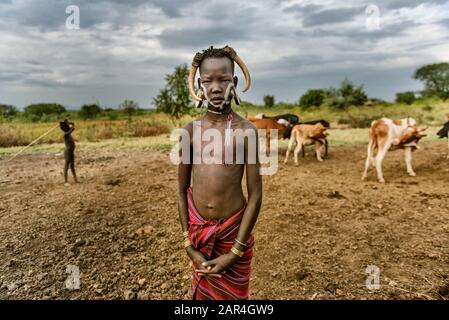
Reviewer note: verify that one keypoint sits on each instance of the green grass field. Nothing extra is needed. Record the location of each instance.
(151, 131)
(336, 137)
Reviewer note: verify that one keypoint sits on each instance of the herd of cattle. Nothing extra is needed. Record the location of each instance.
(384, 135)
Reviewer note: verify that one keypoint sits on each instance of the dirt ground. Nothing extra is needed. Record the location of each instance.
(319, 228)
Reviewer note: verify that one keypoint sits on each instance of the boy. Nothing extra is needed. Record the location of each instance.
(69, 152)
(215, 217)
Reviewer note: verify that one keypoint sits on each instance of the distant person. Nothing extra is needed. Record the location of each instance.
(69, 152)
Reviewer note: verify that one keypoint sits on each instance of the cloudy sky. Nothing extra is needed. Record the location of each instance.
(123, 49)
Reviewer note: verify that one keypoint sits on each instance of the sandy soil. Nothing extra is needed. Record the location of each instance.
(319, 228)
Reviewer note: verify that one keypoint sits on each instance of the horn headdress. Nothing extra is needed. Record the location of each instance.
(196, 63)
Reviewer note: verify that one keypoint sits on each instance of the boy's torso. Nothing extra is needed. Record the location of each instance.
(217, 188)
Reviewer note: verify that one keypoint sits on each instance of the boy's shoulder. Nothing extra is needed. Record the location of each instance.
(189, 126)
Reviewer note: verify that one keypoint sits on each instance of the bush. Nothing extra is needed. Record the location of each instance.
(407, 97)
(285, 105)
(312, 98)
(89, 111)
(112, 115)
(143, 129)
(8, 110)
(358, 121)
(10, 138)
(104, 132)
(346, 95)
(427, 108)
(49, 118)
(129, 107)
(268, 101)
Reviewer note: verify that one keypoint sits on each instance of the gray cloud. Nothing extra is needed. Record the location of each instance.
(201, 37)
(359, 38)
(332, 16)
(397, 4)
(125, 48)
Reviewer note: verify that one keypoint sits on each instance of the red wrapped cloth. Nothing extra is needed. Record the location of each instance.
(215, 237)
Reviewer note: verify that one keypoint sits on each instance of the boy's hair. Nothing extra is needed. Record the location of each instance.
(212, 52)
(65, 125)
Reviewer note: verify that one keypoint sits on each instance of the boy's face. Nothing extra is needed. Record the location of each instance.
(216, 76)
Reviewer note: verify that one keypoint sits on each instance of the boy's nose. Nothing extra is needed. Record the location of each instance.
(216, 88)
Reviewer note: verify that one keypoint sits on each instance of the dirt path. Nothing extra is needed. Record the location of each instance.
(319, 228)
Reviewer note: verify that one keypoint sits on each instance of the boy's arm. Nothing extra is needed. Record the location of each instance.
(184, 174)
(70, 131)
(184, 177)
(254, 187)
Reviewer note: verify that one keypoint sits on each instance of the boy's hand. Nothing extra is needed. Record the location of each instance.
(218, 265)
(196, 256)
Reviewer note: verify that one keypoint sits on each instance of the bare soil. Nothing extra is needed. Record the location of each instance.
(319, 228)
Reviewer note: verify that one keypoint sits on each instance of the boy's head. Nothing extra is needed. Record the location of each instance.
(217, 82)
(65, 125)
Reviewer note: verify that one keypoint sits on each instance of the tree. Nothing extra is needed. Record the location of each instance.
(90, 111)
(8, 110)
(313, 97)
(269, 100)
(174, 99)
(129, 107)
(407, 97)
(347, 95)
(436, 79)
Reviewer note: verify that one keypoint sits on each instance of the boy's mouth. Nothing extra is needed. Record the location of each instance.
(217, 100)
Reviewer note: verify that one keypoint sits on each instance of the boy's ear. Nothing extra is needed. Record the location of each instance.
(236, 80)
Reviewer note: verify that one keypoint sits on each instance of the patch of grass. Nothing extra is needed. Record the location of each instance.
(337, 137)
(161, 142)
(430, 112)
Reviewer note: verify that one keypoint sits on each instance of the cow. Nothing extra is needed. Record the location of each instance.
(269, 124)
(291, 118)
(307, 134)
(444, 133)
(386, 134)
(325, 123)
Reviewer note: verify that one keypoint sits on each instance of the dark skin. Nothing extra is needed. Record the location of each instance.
(69, 152)
(217, 188)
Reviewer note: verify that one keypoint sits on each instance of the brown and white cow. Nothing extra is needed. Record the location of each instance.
(269, 124)
(386, 134)
(307, 134)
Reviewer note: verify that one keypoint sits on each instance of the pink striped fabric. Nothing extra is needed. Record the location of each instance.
(214, 237)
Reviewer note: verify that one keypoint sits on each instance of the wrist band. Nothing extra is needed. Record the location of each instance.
(187, 243)
(240, 243)
(237, 252)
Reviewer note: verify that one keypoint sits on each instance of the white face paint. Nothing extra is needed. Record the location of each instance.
(227, 97)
